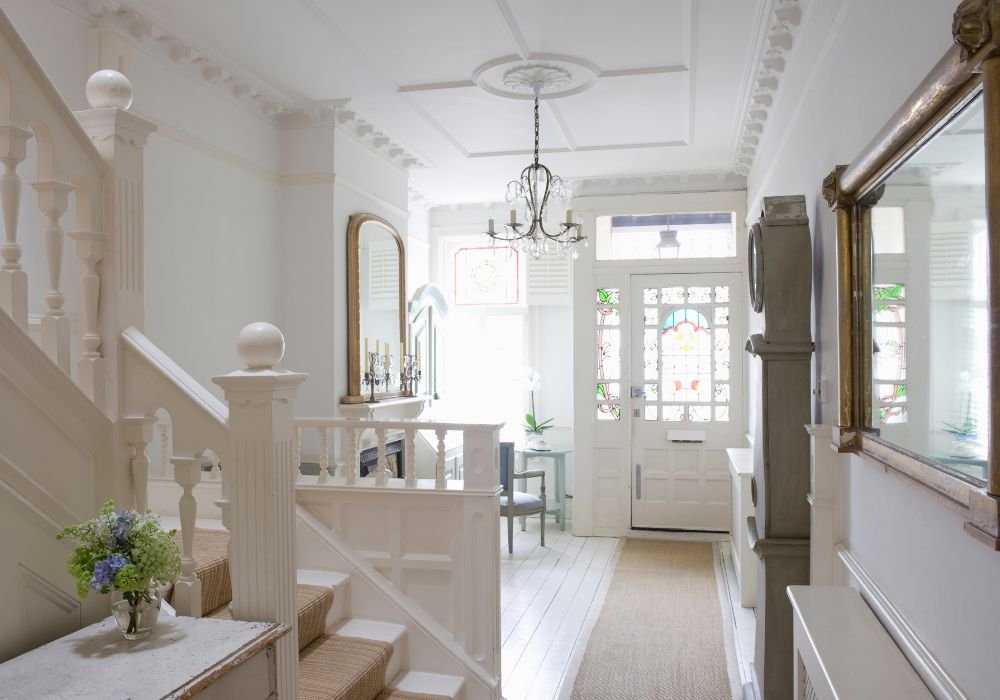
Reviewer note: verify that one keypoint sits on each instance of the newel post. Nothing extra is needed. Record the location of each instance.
(480, 629)
(261, 477)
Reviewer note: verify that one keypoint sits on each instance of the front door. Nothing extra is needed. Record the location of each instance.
(687, 397)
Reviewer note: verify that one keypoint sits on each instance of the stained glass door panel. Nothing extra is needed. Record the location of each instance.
(687, 397)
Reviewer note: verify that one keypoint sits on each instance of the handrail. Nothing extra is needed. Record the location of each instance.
(41, 79)
(145, 349)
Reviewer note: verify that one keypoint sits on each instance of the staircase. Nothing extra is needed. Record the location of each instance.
(340, 657)
(78, 423)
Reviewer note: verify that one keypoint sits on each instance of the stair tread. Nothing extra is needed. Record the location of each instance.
(336, 667)
(211, 553)
(312, 604)
(420, 684)
(397, 694)
(372, 629)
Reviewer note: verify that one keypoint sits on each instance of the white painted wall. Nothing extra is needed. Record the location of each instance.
(855, 62)
(327, 176)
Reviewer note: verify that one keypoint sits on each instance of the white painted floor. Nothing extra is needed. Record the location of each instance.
(550, 598)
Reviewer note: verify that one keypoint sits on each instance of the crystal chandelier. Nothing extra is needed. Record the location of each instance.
(533, 191)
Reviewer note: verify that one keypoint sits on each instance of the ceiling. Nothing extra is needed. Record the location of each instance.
(673, 78)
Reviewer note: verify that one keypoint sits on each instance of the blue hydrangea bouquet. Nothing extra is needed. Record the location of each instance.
(128, 552)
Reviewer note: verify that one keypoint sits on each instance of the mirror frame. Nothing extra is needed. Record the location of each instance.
(969, 68)
(354, 392)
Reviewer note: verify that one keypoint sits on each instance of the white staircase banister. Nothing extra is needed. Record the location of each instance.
(259, 491)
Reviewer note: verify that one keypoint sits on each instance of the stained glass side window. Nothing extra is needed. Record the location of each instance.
(609, 343)
(889, 345)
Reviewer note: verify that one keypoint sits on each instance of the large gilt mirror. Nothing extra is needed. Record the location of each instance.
(918, 291)
(376, 303)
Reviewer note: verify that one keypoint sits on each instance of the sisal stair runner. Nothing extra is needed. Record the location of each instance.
(331, 666)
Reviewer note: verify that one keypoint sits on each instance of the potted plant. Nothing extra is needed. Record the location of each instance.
(127, 552)
(533, 428)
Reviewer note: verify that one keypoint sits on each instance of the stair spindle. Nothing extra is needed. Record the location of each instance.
(53, 199)
(409, 456)
(324, 455)
(90, 375)
(383, 463)
(187, 589)
(163, 428)
(138, 434)
(13, 278)
(353, 459)
(439, 479)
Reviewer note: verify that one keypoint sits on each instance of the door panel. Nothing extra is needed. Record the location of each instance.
(687, 397)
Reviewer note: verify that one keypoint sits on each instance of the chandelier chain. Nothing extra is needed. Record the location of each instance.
(536, 129)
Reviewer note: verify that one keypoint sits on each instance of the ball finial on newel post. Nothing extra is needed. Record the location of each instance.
(109, 88)
(261, 345)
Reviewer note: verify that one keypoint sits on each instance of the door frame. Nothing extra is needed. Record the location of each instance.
(603, 491)
(734, 430)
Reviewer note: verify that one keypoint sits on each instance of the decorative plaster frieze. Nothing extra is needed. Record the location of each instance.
(783, 23)
(251, 93)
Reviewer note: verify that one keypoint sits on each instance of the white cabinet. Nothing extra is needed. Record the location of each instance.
(741, 505)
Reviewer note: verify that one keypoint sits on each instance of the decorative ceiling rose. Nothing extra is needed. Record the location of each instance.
(529, 76)
(554, 75)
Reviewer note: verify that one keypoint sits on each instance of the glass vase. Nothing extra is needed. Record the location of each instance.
(136, 613)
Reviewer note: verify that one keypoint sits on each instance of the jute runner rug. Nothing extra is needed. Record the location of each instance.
(660, 632)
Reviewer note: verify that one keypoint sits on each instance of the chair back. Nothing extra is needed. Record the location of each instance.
(506, 464)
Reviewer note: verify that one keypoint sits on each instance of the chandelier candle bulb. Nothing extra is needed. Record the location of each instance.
(366, 347)
(492, 230)
(569, 216)
(513, 216)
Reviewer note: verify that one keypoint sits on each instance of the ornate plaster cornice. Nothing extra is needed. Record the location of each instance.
(783, 23)
(253, 94)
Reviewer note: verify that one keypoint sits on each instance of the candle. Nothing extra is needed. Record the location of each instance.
(569, 216)
(418, 354)
(366, 348)
(513, 216)
(492, 230)
(402, 355)
(378, 346)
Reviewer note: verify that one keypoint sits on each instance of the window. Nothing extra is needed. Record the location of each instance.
(666, 236)
(889, 337)
(609, 354)
(486, 275)
(686, 354)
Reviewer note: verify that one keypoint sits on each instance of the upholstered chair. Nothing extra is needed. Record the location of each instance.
(517, 504)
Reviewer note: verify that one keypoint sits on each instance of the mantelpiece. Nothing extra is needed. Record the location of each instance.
(386, 409)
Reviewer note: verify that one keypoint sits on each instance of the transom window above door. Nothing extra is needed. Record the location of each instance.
(666, 236)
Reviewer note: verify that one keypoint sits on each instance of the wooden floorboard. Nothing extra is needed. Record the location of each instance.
(546, 596)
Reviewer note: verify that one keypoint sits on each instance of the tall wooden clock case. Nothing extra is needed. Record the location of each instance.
(779, 257)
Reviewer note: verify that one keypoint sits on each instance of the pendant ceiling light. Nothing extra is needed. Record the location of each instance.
(536, 190)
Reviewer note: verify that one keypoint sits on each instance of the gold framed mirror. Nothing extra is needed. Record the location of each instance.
(919, 281)
(376, 303)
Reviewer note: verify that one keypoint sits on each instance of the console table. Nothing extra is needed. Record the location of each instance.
(557, 456)
(184, 656)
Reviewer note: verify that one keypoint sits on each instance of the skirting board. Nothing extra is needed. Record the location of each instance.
(923, 661)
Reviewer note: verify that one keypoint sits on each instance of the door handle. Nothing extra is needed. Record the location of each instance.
(638, 482)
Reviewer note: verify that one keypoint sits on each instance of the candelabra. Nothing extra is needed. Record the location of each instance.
(375, 375)
(409, 375)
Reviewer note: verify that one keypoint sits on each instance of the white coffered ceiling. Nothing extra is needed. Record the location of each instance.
(674, 78)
